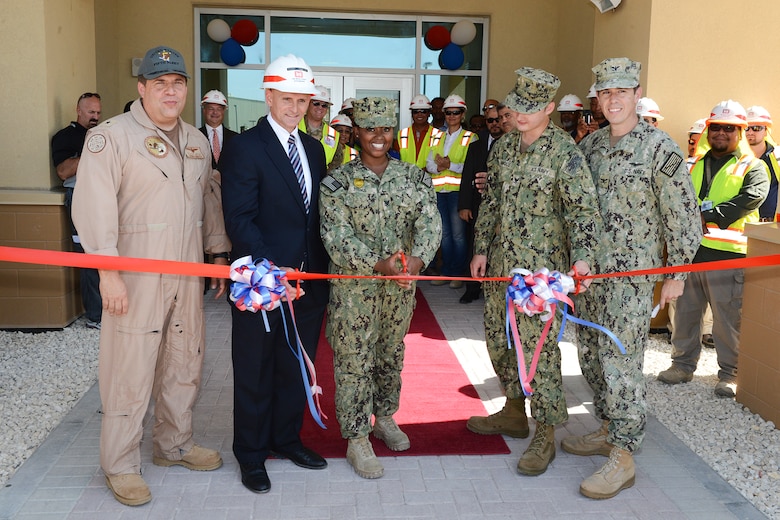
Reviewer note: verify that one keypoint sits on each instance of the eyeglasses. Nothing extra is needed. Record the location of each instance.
(493, 119)
(453, 112)
(756, 128)
(715, 128)
(488, 107)
(320, 104)
(421, 111)
(86, 95)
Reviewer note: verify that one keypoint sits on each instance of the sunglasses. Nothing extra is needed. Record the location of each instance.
(453, 112)
(320, 104)
(86, 95)
(756, 128)
(715, 128)
(493, 119)
(488, 107)
(421, 111)
(691, 142)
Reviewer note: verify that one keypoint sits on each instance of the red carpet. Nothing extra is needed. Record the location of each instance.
(436, 399)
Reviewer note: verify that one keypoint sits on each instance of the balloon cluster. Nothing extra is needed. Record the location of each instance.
(450, 42)
(243, 33)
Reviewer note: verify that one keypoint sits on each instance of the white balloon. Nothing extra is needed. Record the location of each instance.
(218, 30)
(463, 32)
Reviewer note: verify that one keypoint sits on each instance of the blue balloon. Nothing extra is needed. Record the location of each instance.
(451, 57)
(232, 53)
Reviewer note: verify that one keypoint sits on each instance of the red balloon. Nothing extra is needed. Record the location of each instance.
(437, 37)
(245, 32)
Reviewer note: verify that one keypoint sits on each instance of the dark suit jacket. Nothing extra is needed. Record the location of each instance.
(227, 135)
(265, 217)
(476, 161)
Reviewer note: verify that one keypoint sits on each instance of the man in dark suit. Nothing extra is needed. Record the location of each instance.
(469, 198)
(214, 104)
(271, 212)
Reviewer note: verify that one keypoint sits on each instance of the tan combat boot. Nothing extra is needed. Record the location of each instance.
(511, 420)
(197, 459)
(129, 489)
(540, 453)
(386, 429)
(614, 476)
(360, 455)
(593, 443)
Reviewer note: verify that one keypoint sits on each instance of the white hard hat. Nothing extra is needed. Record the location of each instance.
(214, 96)
(757, 115)
(347, 104)
(698, 126)
(454, 101)
(592, 91)
(322, 94)
(646, 107)
(341, 120)
(420, 102)
(289, 74)
(729, 113)
(570, 103)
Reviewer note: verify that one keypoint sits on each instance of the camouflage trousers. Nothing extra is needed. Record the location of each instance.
(366, 325)
(548, 404)
(616, 380)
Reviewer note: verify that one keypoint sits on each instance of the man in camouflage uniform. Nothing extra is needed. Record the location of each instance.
(539, 198)
(647, 201)
(378, 216)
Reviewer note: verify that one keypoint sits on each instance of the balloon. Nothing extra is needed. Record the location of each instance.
(451, 57)
(245, 32)
(218, 30)
(463, 32)
(232, 53)
(437, 37)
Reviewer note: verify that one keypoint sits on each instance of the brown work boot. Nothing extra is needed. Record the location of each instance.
(386, 429)
(540, 453)
(593, 443)
(511, 420)
(197, 459)
(614, 476)
(674, 375)
(360, 455)
(129, 489)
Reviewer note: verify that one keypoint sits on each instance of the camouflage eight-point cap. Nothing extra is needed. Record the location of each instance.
(534, 90)
(374, 112)
(617, 73)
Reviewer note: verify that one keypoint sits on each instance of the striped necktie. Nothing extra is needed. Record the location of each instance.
(215, 151)
(295, 160)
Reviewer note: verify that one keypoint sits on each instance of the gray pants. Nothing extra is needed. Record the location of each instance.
(723, 291)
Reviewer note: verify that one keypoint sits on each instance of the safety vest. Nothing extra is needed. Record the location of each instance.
(408, 148)
(350, 154)
(329, 140)
(448, 180)
(725, 186)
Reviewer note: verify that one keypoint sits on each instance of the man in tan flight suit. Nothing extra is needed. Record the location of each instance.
(145, 190)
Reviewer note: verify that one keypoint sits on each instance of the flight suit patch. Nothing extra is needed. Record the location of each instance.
(96, 143)
(193, 152)
(156, 146)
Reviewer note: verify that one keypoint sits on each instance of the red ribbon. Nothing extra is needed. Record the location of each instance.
(148, 265)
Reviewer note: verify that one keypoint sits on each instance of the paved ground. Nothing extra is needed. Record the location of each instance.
(63, 479)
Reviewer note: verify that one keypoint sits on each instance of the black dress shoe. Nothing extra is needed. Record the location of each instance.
(255, 478)
(469, 296)
(303, 457)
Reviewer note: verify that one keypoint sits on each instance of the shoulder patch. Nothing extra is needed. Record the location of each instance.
(672, 163)
(96, 143)
(331, 183)
(426, 179)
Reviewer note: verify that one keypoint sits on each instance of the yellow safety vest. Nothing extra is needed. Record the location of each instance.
(725, 185)
(448, 180)
(329, 140)
(350, 154)
(407, 147)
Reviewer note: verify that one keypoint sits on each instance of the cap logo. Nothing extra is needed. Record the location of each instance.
(165, 55)
(298, 74)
